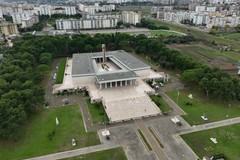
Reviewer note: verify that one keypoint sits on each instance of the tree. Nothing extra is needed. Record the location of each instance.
(45, 58)
(205, 85)
(88, 48)
(43, 68)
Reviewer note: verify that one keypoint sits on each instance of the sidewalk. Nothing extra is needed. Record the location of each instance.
(73, 153)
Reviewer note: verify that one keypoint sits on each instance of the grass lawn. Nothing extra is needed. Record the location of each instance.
(214, 110)
(159, 101)
(61, 70)
(228, 138)
(110, 154)
(163, 33)
(35, 141)
(97, 112)
(208, 52)
(144, 139)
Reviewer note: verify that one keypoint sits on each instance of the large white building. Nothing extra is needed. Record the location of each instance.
(131, 17)
(115, 78)
(76, 24)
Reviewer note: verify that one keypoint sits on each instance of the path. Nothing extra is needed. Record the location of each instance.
(172, 104)
(151, 140)
(73, 153)
(211, 125)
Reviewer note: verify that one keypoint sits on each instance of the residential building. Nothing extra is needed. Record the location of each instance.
(8, 29)
(131, 17)
(75, 24)
(70, 10)
(30, 21)
(45, 9)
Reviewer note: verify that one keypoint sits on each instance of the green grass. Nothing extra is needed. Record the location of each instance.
(209, 52)
(228, 138)
(198, 33)
(156, 137)
(35, 141)
(146, 10)
(215, 110)
(145, 140)
(231, 36)
(97, 112)
(61, 70)
(163, 33)
(110, 154)
(159, 101)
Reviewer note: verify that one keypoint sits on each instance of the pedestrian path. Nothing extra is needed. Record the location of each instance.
(211, 125)
(73, 153)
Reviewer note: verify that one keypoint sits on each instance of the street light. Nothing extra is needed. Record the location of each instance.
(229, 105)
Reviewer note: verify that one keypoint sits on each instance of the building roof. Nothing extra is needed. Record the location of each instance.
(82, 64)
(116, 76)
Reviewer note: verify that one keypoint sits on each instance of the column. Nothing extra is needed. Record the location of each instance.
(120, 83)
(111, 84)
(115, 84)
(131, 82)
(126, 82)
(105, 85)
(100, 85)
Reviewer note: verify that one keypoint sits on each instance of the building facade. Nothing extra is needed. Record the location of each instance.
(131, 17)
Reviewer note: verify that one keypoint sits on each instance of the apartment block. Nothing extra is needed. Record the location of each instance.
(8, 29)
(131, 17)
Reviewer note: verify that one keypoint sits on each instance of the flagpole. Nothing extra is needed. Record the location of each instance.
(178, 94)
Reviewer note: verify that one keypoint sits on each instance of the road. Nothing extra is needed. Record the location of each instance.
(153, 143)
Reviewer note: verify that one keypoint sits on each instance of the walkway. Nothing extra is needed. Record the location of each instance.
(152, 141)
(211, 125)
(73, 153)
(172, 104)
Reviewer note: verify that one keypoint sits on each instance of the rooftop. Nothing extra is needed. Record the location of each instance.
(116, 76)
(82, 63)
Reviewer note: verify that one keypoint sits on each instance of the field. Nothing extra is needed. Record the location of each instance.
(146, 10)
(199, 33)
(110, 154)
(206, 53)
(163, 106)
(231, 36)
(61, 69)
(214, 110)
(164, 33)
(97, 112)
(227, 137)
(36, 142)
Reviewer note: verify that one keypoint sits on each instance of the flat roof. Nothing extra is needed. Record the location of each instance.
(82, 65)
(82, 62)
(116, 76)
